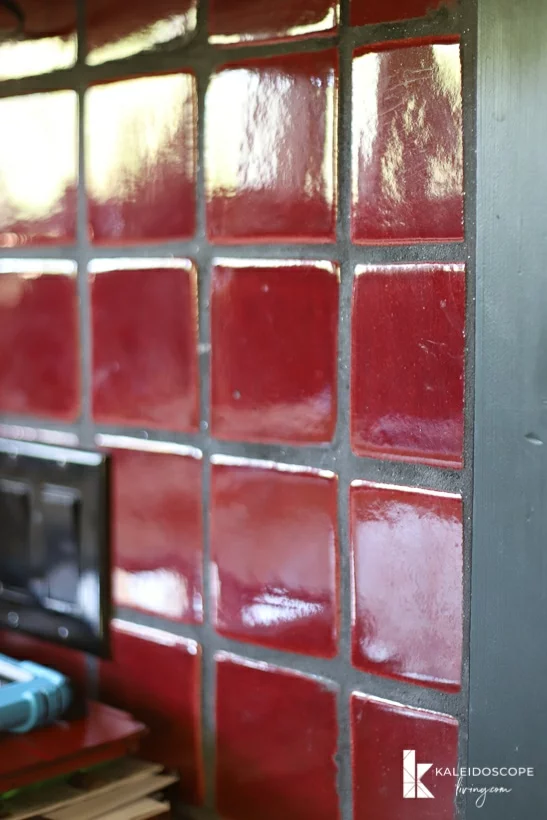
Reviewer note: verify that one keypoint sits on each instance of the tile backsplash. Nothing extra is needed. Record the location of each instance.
(233, 256)
(270, 139)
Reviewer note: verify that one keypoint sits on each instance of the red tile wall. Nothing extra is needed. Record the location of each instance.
(234, 258)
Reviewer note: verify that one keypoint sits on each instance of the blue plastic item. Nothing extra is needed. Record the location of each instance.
(30, 695)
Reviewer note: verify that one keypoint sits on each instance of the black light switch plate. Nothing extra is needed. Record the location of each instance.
(54, 555)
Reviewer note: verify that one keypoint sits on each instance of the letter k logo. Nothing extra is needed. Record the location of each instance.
(412, 776)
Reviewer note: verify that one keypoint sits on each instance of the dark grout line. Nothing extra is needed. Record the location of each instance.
(452, 252)
(344, 780)
(201, 256)
(82, 252)
(440, 24)
(336, 671)
(197, 54)
(322, 457)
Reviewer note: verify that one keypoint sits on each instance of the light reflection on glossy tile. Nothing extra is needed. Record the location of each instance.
(39, 360)
(382, 732)
(141, 159)
(407, 370)
(266, 591)
(407, 576)
(48, 42)
(156, 676)
(38, 169)
(276, 743)
(265, 182)
(249, 21)
(274, 350)
(407, 144)
(144, 321)
(366, 12)
(157, 533)
(117, 29)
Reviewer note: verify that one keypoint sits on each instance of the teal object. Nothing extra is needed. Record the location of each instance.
(30, 695)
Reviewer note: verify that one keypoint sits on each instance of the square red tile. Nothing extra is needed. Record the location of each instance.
(266, 182)
(408, 344)
(365, 12)
(28, 648)
(38, 169)
(116, 29)
(141, 159)
(157, 530)
(407, 144)
(233, 22)
(276, 742)
(46, 43)
(383, 733)
(156, 676)
(39, 344)
(274, 329)
(265, 591)
(144, 319)
(407, 566)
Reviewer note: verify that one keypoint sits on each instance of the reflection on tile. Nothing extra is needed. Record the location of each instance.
(144, 320)
(117, 29)
(141, 159)
(407, 144)
(38, 169)
(157, 533)
(365, 12)
(407, 576)
(265, 182)
(47, 42)
(265, 590)
(249, 21)
(385, 733)
(39, 359)
(407, 391)
(274, 350)
(156, 676)
(276, 741)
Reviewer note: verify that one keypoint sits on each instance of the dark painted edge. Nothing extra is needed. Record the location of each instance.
(508, 650)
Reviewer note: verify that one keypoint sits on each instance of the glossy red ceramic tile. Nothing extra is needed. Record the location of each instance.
(144, 318)
(276, 741)
(141, 159)
(156, 676)
(407, 577)
(274, 350)
(267, 182)
(407, 144)
(38, 169)
(407, 391)
(39, 358)
(384, 732)
(365, 12)
(26, 648)
(249, 21)
(48, 42)
(266, 591)
(157, 532)
(118, 29)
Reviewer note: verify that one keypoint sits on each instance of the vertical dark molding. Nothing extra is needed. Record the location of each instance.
(508, 663)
